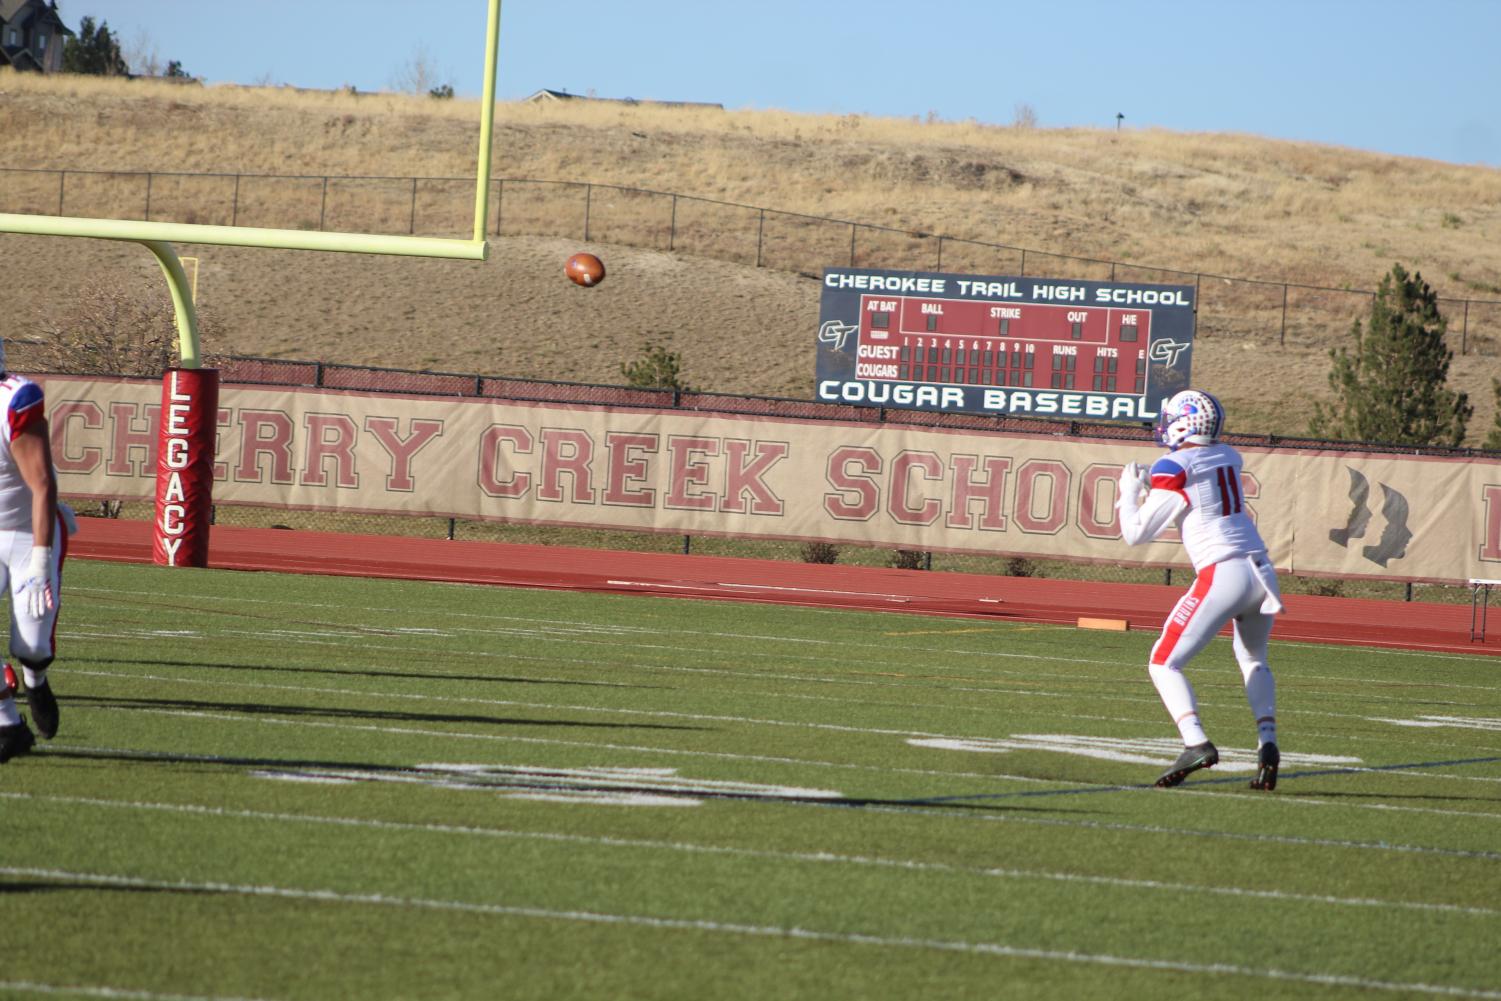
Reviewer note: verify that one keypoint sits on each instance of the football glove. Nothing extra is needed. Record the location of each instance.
(1134, 481)
(36, 590)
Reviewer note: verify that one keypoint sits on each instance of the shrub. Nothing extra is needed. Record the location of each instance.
(1020, 566)
(1331, 587)
(111, 329)
(820, 552)
(657, 368)
(906, 559)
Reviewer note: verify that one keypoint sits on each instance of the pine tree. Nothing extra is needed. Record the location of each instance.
(657, 368)
(94, 51)
(1393, 388)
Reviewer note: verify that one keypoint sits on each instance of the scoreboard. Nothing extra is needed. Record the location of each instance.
(979, 344)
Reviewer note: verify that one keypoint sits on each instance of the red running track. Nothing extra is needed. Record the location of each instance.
(1405, 625)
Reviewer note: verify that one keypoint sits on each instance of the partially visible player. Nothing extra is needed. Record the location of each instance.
(1196, 488)
(33, 540)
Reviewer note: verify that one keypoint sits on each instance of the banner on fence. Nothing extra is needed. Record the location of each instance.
(1049, 347)
(1321, 512)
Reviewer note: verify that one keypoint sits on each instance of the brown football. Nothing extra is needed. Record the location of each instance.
(585, 270)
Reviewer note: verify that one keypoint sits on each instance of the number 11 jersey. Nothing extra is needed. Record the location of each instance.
(1214, 523)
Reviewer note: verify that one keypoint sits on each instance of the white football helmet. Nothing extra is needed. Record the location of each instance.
(1191, 417)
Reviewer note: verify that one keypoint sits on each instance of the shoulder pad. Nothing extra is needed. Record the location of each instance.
(28, 395)
(1167, 474)
(25, 408)
(1167, 464)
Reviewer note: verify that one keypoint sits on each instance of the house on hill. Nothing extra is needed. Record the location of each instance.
(546, 96)
(31, 35)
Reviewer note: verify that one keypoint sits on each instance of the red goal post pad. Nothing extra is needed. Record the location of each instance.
(185, 467)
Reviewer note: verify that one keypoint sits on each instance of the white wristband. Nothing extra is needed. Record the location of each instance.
(41, 561)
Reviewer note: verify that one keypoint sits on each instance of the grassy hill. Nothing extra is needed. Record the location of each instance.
(1219, 204)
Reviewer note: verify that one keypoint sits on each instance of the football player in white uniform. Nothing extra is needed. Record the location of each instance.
(1196, 488)
(33, 540)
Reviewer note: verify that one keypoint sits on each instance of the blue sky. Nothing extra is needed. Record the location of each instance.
(1395, 77)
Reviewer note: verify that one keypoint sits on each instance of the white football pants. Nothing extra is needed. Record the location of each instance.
(1232, 591)
(31, 640)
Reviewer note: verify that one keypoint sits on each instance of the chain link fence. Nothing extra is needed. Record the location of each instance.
(1228, 306)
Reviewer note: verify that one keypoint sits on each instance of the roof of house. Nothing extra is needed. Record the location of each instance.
(11, 9)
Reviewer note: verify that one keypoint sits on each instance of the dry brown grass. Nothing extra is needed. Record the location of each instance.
(1222, 204)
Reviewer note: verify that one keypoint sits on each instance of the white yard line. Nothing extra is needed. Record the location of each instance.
(657, 923)
(566, 634)
(1365, 653)
(1473, 749)
(1142, 700)
(22, 988)
(817, 858)
(919, 806)
(588, 745)
(511, 704)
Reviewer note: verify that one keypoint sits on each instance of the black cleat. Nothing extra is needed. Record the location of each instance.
(15, 741)
(1267, 760)
(1203, 755)
(43, 706)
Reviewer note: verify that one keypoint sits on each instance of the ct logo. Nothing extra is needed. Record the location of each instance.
(1166, 351)
(836, 333)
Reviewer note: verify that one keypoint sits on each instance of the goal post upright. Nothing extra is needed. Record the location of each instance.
(183, 307)
(486, 128)
(189, 405)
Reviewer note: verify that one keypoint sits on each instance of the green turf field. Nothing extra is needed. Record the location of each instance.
(298, 787)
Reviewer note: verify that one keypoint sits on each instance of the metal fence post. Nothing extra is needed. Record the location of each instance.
(1282, 334)
(149, 176)
(1464, 330)
(1024, 261)
(760, 234)
(939, 265)
(588, 203)
(500, 195)
(234, 205)
(412, 224)
(672, 225)
(852, 244)
(62, 181)
(323, 207)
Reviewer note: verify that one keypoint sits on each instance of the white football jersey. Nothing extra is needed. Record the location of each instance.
(22, 405)
(1205, 483)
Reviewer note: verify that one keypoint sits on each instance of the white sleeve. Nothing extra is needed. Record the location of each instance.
(1145, 523)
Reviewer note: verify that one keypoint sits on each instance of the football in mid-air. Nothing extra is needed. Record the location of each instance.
(585, 269)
